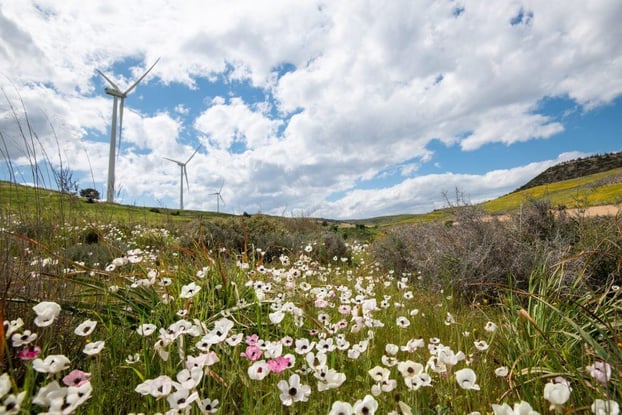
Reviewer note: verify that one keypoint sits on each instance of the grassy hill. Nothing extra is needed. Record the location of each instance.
(28, 201)
(590, 181)
(603, 188)
(576, 168)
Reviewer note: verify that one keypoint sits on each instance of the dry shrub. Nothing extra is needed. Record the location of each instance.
(474, 254)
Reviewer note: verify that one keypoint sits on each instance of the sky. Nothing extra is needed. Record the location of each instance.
(333, 109)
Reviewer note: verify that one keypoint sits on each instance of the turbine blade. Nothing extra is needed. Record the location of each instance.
(174, 161)
(195, 152)
(223, 200)
(221, 185)
(141, 78)
(186, 174)
(108, 79)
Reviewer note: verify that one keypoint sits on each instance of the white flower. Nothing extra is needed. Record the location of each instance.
(366, 406)
(94, 348)
(189, 379)
(181, 399)
(276, 317)
(412, 345)
(466, 378)
(481, 345)
(85, 328)
(258, 370)
(51, 364)
(601, 407)
(522, 408)
(46, 311)
(329, 379)
(208, 406)
(160, 386)
(217, 335)
(5, 384)
(22, 339)
(557, 394)
(76, 396)
(50, 393)
(132, 358)
(402, 322)
(391, 349)
(146, 329)
(303, 346)
(409, 369)
(490, 327)
(12, 404)
(293, 391)
(379, 373)
(341, 408)
(189, 290)
(448, 357)
(502, 371)
(12, 326)
(386, 385)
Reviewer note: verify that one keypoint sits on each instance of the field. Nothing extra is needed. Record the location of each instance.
(117, 309)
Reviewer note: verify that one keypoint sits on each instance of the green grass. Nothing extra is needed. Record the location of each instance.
(593, 190)
(28, 201)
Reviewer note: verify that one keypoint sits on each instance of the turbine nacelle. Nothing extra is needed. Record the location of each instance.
(114, 92)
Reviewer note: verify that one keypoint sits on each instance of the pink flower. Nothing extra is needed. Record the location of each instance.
(76, 378)
(252, 353)
(601, 371)
(29, 352)
(344, 309)
(278, 364)
(252, 339)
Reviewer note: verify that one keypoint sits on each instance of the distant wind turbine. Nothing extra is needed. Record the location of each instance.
(118, 98)
(219, 197)
(184, 172)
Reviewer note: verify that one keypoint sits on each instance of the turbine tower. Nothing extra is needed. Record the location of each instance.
(184, 172)
(218, 198)
(118, 98)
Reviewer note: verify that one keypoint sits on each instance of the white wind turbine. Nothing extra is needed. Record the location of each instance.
(184, 172)
(117, 95)
(219, 197)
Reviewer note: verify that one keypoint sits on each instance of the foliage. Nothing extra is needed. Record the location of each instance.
(90, 194)
(475, 253)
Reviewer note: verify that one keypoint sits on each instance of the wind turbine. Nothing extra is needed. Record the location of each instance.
(118, 98)
(184, 172)
(219, 197)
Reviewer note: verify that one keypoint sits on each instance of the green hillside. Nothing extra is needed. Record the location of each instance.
(601, 188)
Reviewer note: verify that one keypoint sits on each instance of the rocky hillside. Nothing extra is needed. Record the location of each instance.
(576, 168)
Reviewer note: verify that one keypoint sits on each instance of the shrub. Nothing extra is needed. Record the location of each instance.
(474, 254)
(273, 236)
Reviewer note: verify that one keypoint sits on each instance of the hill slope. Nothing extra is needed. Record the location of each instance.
(575, 168)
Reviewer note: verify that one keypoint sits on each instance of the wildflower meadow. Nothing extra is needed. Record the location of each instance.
(106, 317)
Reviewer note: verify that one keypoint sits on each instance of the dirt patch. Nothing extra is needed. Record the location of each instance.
(592, 211)
(604, 210)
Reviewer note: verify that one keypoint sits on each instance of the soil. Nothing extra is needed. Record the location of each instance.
(604, 210)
